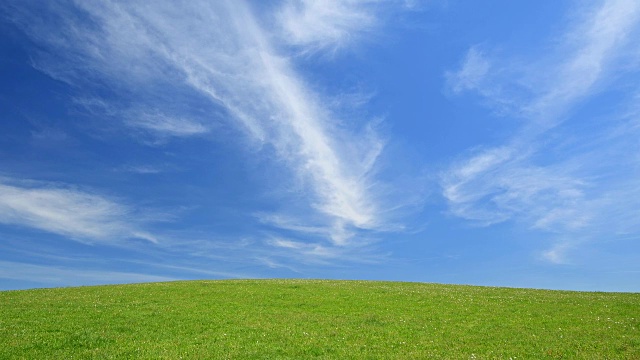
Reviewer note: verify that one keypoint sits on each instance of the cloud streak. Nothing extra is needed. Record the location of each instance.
(327, 25)
(62, 276)
(217, 52)
(567, 189)
(68, 212)
(263, 92)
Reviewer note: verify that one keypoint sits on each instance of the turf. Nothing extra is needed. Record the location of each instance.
(302, 319)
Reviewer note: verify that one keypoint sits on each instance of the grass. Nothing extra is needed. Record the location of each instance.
(302, 319)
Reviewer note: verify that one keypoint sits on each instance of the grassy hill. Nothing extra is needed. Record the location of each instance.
(301, 319)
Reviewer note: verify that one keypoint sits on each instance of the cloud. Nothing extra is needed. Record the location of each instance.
(309, 249)
(551, 174)
(326, 25)
(142, 169)
(158, 61)
(594, 44)
(557, 254)
(68, 212)
(473, 71)
(153, 121)
(545, 197)
(281, 110)
(283, 251)
(165, 125)
(64, 276)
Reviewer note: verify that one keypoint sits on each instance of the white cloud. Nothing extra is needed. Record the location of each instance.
(307, 248)
(148, 119)
(305, 252)
(557, 254)
(567, 191)
(68, 212)
(326, 24)
(288, 222)
(282, 111)
(542, 90)
(165, 125)
(472, 73)
(242, 72)
(218, 51)
(63, 276)
(142, 169)
(594, 44)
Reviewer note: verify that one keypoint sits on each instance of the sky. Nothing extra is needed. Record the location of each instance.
(491, 143)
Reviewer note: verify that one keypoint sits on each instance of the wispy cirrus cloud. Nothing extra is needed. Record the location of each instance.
(58, 275)
(331, 26)
(69, 212)
(548, 174)
(327, 25)
(473, 71)
(165, 125)
(218, 56)
(286, 252)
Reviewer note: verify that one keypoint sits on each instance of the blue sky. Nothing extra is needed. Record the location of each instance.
(487, 143)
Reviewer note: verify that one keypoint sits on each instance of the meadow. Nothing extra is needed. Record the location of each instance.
(316, 319)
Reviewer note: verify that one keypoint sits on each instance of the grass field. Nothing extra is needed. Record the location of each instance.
(301, 319)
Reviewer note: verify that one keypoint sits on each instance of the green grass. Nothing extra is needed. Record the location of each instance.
(302, 319)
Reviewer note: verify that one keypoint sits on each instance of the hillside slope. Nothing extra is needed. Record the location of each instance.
(300, 319)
